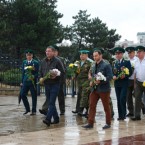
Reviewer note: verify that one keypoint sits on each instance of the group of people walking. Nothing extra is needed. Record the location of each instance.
(93, 81)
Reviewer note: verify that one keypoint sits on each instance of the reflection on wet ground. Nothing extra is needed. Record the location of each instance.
(17, 129)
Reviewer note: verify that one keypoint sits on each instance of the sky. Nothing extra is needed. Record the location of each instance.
(126, 16)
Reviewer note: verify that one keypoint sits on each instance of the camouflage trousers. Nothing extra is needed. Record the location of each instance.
(85, 92)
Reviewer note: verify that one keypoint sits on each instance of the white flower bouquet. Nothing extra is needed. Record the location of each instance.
(50, 75)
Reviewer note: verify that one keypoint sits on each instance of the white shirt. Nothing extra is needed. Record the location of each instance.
(132, 61)
(90, 59)
(29, 61)
(139, 70)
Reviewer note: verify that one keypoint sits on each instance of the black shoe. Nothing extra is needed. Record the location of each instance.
(135, 118)
(33, 113)
(80, 114)
(62, 113)
(143, 111)
(75, 112)
(121, 118)
(88, 126)
(129, 115)
(106, 126)
(55, 122)
(46, 122)
(26, 112)
(43, 112)
(112, 117)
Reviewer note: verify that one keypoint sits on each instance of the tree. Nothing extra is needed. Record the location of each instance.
(78, 31)
(90, 33)
(100, 36)
(33, 24)
(5, 26)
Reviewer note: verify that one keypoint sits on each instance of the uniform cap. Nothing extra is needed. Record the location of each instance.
(129, 49)
(29, 51)
(118, 50)
(84, 51)
(140, 48)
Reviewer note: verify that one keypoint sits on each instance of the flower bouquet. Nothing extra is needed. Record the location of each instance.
(50, 75)
(28, 72)
(143, 84)
(73, 69)
(97, 77)
(124, 71)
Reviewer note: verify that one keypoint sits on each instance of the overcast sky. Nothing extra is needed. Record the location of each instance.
(126, 16)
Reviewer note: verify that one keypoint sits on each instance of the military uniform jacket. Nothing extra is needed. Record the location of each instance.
(33, 63)
(117, 66)
(83, 71)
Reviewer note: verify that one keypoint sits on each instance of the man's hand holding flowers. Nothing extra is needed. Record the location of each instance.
(96, 80)
(52, 74)
(28, 71)
(124, 72)
(73, 69)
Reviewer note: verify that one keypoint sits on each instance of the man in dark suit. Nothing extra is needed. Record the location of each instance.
(121, 80)
(30, 68)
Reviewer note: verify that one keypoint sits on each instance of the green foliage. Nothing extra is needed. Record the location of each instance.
(29, 24)
(90, 33)
(12, 77)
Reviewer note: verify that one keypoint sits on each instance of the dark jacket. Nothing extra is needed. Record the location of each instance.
(47, 65)
(34, 72)
(106, 70)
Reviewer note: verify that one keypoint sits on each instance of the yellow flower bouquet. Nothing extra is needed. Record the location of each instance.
(143, 84)
(124, 71)
(73, 69)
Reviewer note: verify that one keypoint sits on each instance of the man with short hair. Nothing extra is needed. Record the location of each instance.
(139, 70)
(83, 83)
(61, 96)
(101, 90)
(130, 89)
(122, 71)
(30, 69)
(92, 70)
(51, 84)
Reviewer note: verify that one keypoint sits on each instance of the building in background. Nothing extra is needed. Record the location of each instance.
(141, 38)
(125, 43)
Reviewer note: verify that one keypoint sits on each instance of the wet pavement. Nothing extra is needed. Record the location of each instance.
(19, 129)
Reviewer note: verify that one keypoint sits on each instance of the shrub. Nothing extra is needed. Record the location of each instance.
(12, 77)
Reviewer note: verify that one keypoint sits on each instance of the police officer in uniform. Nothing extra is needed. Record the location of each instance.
(121, 81)
(29, 79)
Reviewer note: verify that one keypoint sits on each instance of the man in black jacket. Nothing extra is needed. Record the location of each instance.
(51, 84)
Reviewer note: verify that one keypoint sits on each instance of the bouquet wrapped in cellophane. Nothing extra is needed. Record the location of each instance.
(50, 75)
(73, 69)
(124, 71)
